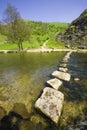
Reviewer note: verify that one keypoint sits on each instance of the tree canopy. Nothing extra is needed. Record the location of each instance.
(18, 30)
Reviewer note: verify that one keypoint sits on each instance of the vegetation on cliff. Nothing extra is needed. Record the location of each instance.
(76, 34)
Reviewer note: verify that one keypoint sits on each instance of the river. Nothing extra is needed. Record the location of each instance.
(23, 77)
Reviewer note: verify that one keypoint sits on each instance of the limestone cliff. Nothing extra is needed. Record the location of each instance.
(76, 33)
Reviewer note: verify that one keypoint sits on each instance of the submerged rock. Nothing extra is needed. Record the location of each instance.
(76, 79)
(50, 103)
(16, 98)
(61, 75)
(21, 109)
(55, 83)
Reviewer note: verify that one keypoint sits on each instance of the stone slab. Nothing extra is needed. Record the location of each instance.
(63, 69)
(55, 83)
(63, 65)
(50, 103)
(61, 75)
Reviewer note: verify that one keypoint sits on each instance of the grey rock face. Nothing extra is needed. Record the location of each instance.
(76, 33)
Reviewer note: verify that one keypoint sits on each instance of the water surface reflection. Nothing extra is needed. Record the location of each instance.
(22, 78)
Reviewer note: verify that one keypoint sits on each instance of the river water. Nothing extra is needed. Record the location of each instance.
(23, 77)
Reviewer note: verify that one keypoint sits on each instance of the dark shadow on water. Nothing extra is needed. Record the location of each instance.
(10, 121)
(74, 91)
(51, 127)
(47, 85)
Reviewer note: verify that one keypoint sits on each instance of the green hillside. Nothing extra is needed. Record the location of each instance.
(39, 33)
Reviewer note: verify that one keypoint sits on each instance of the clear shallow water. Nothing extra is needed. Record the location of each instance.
(22, 78)
(74, 115)
(24, 75)
(34, 68)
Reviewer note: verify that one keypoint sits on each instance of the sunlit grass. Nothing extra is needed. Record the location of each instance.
(8, 46)
(13, 46)
(39, 33)
(54, 44)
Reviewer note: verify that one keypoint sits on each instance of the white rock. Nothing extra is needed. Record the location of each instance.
(67, 56)
(64, 60)
(63, 65)
(61, 75)
(63, 69)
(50, 103)
(55, 83)
(76, 79)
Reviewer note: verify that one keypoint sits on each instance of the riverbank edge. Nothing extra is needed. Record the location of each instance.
(43, 50)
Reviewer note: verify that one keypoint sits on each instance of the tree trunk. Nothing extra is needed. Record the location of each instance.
(20, 46)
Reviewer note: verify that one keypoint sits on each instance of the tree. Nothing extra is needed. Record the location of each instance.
(18, 30)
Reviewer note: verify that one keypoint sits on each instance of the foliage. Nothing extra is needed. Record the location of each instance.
(8, 46)
(29, 34)
(11, 14)
(3, 29)
(3, 38)
(41, 31)
(18, 30)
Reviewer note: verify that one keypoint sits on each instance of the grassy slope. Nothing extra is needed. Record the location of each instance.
(40, 32)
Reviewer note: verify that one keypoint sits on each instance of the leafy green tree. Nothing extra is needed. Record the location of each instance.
(18, 30)
(3, 29)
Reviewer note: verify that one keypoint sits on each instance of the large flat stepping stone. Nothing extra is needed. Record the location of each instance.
(61, 75)
(50, 103)
(55, 83)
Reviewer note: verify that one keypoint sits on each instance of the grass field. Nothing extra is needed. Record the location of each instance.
(54, 44)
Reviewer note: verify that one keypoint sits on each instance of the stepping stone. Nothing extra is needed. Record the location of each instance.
(63, 65)
(63, 69)
(61, 75)
(64, 60)
(55, 83)
(76, 79)
(50, 103)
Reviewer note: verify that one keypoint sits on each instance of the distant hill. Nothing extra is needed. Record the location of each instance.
(40, 32)
(76, 33)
